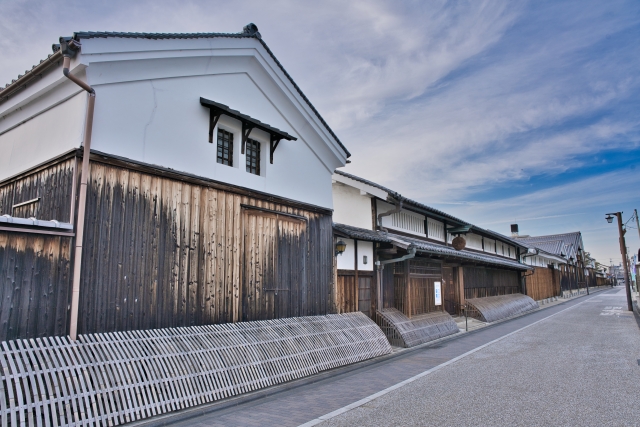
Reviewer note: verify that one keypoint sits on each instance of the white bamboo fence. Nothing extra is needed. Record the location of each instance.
(419, 329)
(120, 377)
(491, 309)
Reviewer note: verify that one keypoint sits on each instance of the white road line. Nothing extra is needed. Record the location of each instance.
(368, 399)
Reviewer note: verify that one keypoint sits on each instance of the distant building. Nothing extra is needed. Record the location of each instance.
(562, 265)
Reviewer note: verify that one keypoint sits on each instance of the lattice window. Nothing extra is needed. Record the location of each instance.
(474, 241)
(253, 156)
(225, 147)
(406, 221)
(435, 229)
(422, 268)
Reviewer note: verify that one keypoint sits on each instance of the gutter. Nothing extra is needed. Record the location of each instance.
(397, 209)
(69, 48)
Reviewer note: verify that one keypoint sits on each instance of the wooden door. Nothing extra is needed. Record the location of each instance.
(273, 266)
(449, 291)
(364, 294)
(289, 292)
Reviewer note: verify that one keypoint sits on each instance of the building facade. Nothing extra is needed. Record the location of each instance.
(207, 195)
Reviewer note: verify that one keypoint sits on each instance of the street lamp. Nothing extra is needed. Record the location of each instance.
(623, 252)
(340, 247)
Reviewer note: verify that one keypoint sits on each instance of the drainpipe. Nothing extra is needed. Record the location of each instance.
(397, 209)
(70, 48)
(411, 253)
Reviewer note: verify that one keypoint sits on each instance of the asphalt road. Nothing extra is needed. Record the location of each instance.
(575, 363)
(580, 367)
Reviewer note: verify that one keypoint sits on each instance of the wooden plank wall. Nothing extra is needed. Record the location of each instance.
(543, 283)
(53, 185)
(568, 280)
(165, 253)
(35, 280)
(486, 282)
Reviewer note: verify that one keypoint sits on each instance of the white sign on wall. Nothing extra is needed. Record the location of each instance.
(437, 293)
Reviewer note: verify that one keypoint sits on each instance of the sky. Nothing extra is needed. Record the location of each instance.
(496, 112)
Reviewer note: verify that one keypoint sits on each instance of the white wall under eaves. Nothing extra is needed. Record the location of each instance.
(350, 207)
(41, 130)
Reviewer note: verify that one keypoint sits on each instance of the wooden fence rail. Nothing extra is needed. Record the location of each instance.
(116, 378)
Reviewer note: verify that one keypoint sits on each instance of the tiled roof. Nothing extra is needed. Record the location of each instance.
(437, 212)
(447, 251)
(249, 31)
(566, 244)
(361, 233)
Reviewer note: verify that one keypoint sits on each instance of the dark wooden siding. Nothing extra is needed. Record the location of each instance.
(414, 282)
(53, 185)
(543, 283)
(160, 252)
(35, 280)
(487, 282)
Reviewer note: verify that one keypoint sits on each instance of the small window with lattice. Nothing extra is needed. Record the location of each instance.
(225, 147)
(253, 156)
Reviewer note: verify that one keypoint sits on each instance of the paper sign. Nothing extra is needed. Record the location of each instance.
(438, 293)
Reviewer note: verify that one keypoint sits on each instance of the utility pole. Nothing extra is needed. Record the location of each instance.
(635, 212)
(623, 252)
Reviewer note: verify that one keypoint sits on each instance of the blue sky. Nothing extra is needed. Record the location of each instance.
(492, 111)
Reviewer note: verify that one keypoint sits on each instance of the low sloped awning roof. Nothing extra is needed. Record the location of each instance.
(361, 233)
(447, 251)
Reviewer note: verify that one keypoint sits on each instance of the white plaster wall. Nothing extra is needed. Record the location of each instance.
(350, 207)
(46, 132)
(347, 258)
(365, 249)
(161, 122)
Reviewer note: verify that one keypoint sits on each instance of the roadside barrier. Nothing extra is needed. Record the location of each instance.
(120, 377)
(491, 309)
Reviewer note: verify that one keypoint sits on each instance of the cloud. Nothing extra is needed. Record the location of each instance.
(441, 101)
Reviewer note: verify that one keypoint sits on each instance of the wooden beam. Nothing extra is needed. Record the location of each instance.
(246, 131)
(273, 144)
(214, 116)
(37, 231)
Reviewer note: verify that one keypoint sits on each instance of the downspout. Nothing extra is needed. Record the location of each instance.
(397, 209)
(70, 48)
(411, 253)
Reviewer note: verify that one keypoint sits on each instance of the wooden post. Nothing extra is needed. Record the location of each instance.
(461, 285)
(407, 281)
(355, 252)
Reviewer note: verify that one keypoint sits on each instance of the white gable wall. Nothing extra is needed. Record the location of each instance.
(148, 110)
